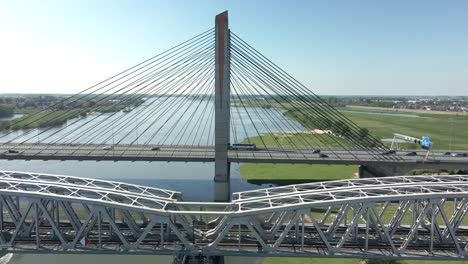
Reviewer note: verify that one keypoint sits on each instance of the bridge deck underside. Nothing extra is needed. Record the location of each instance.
(403, 217)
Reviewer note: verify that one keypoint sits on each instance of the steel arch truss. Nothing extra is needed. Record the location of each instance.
(418, 217)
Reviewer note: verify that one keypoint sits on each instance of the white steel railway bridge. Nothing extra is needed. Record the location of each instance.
(413, 217)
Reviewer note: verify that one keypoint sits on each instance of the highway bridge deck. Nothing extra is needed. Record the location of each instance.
(206, 154)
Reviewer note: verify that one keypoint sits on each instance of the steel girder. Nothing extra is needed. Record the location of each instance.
(421, 217)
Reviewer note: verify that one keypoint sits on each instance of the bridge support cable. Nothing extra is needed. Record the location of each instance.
(251, 101)
(277, 94)
(257, 104)
(118, 124)
(284, 126)
(244, 106)
(207, 128)
(282, 101)
(158, 76)
(301, 90)
(95, 91)
(185, 87)
(200, 93)
(127, 96)
(161, 84)
(81, 135)
(164, 101)
(185, 97)
(322, 115)
(263, 104)
(181, 126)
(188, 91)
(115, 125)
(265, 69)
(203, 116)
(204, 98)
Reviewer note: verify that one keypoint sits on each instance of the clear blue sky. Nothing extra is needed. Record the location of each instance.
(333, 47)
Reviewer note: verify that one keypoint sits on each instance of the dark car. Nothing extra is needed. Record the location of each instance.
(316, 151)
(12, 151)
(323, 155)
(447, 153)
(155, 148)
(412, 153)
(460, 154)
(389, 152)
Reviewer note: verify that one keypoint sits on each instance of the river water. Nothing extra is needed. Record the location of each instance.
(194, 180)
(13, 117)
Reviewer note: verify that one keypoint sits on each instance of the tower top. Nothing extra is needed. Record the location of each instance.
(222, 17)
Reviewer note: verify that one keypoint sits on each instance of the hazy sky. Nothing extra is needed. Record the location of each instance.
(333, 47)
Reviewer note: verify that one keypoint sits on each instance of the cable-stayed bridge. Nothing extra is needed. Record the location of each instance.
(213, 98)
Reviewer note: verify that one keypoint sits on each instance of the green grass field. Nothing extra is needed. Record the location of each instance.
(286, 173)
(447, 131)
(296, 140)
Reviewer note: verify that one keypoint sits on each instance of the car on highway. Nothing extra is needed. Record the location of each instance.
(243, 147)
(108, 148)
(389, 152)
(316, 151)
(447, 153)
(412, 153)
(155, 148)
(460, 155)
(323, 155)
(12, 151)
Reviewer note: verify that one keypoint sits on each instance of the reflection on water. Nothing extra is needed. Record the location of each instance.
(13, 117)
(6, 258)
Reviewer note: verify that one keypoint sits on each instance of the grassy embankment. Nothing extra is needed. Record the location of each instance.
(446, 131)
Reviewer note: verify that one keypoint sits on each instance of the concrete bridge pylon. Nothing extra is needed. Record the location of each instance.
(222, 108)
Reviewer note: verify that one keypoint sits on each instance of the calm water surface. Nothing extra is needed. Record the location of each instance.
(13, 117)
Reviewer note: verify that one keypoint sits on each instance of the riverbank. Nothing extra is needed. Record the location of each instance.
(44, 118)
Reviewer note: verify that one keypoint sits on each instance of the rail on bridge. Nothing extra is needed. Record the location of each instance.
(420, 217)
